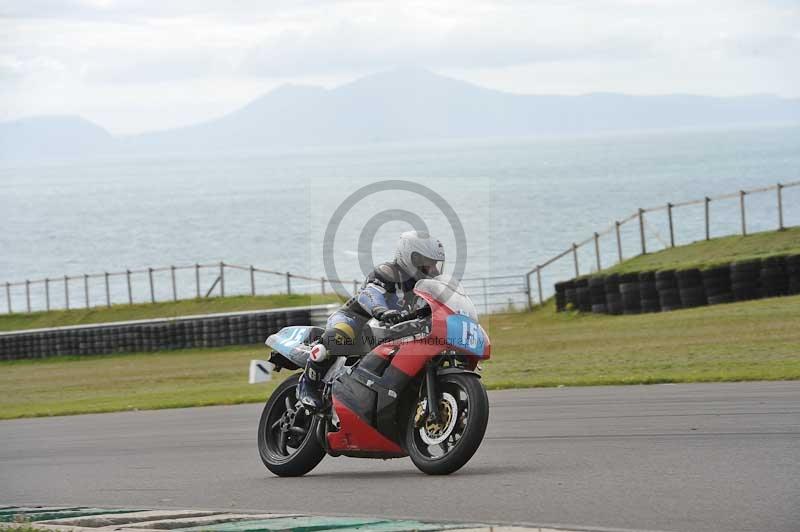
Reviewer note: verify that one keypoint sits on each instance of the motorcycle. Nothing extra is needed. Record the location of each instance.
(414, 390)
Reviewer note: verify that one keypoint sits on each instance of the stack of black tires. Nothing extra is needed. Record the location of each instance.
(717, 285)
(648, 293)
(745, 279)
(690, 288)
(629, 290)
(155, 335)
(665, 290)
(669, 297)
(613, 297)
(793, 273)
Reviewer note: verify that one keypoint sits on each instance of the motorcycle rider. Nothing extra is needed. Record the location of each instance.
(385, 293)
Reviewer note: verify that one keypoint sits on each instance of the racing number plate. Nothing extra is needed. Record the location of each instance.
(465, 333)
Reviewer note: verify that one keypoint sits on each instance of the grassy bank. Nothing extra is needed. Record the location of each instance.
(757, 340)
(189, 307)
(707, 253)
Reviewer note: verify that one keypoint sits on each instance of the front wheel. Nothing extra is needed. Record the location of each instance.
(287, 438)
(443, 447)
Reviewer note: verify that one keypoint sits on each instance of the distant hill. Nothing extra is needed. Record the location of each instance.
(52, 137)
(414, 104)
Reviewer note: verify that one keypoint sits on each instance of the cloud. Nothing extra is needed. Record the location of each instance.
(214, 52)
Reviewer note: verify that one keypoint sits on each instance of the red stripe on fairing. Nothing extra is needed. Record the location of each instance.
(356, 435)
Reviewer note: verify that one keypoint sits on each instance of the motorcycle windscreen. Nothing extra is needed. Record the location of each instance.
(292, 342)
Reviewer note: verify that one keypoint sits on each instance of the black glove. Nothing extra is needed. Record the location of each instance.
(390, 316)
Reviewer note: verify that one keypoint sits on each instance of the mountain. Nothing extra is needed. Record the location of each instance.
(52, 137)
(415, 104)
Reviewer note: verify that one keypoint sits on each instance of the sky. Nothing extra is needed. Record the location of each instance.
(140, 65)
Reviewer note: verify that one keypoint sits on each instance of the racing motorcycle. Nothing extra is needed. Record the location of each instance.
(415, 391)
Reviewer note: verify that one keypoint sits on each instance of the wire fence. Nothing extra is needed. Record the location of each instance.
(169, 283)
(645, 231)
(174, 283)
(633, 235)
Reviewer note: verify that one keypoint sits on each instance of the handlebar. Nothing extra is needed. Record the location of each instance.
(422, 312)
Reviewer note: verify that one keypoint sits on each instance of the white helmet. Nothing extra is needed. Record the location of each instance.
(419, 255)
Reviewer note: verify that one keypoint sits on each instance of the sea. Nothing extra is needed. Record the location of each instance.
(499, 206)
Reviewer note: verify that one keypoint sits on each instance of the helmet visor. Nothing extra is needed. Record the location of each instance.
(427, 266)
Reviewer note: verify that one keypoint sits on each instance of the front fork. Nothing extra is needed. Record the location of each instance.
(431, 391)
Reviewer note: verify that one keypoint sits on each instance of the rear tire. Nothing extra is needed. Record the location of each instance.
(472, 416)
(296, 455)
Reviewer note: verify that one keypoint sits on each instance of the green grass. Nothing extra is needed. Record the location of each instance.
(756, 340)
(22, 527)
(707, 253)
(58, 318)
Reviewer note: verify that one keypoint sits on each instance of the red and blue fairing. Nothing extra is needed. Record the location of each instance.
(366, 399)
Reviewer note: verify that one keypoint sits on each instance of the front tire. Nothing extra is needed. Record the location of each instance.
(445, 447)
(287, 440)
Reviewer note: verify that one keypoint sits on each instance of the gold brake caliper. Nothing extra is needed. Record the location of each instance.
(445, 412)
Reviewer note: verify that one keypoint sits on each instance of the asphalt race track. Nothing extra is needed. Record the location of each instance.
(710, 457)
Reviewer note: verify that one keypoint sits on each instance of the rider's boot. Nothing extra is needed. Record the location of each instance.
(309, 389)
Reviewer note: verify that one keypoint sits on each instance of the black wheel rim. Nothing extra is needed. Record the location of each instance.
(287, 428)
(433, 449)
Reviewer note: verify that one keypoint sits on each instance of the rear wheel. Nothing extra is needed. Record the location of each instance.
(287, 438)
(443, 447)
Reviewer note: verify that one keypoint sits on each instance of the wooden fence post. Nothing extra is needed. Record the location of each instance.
(86, 289)
(197, 279)
(671, 230)
(108, 291)
(641, 231)
(252, 281)
(130, 292)
(221, 279)
(708, 216)
(539, 282)
(597, 251)
(575, 258)
(780, 207)
(66, 291)
(619, 241)
(174, 287)
(47, 293)
(288, 283)
(528, 290)
(28, 295)
(152, 292)
(741, 205)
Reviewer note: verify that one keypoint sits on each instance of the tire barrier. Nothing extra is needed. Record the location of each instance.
(669, 298)
(629, 289)
(570, 295)
(745, 279)
(561, 296)
(613, 297)
(648, 294)
(215, 330)
(772, 278)
(597, 294)
(793, 273)
(717, 285)
(583, 295)
(666, 290)
(690, 288)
